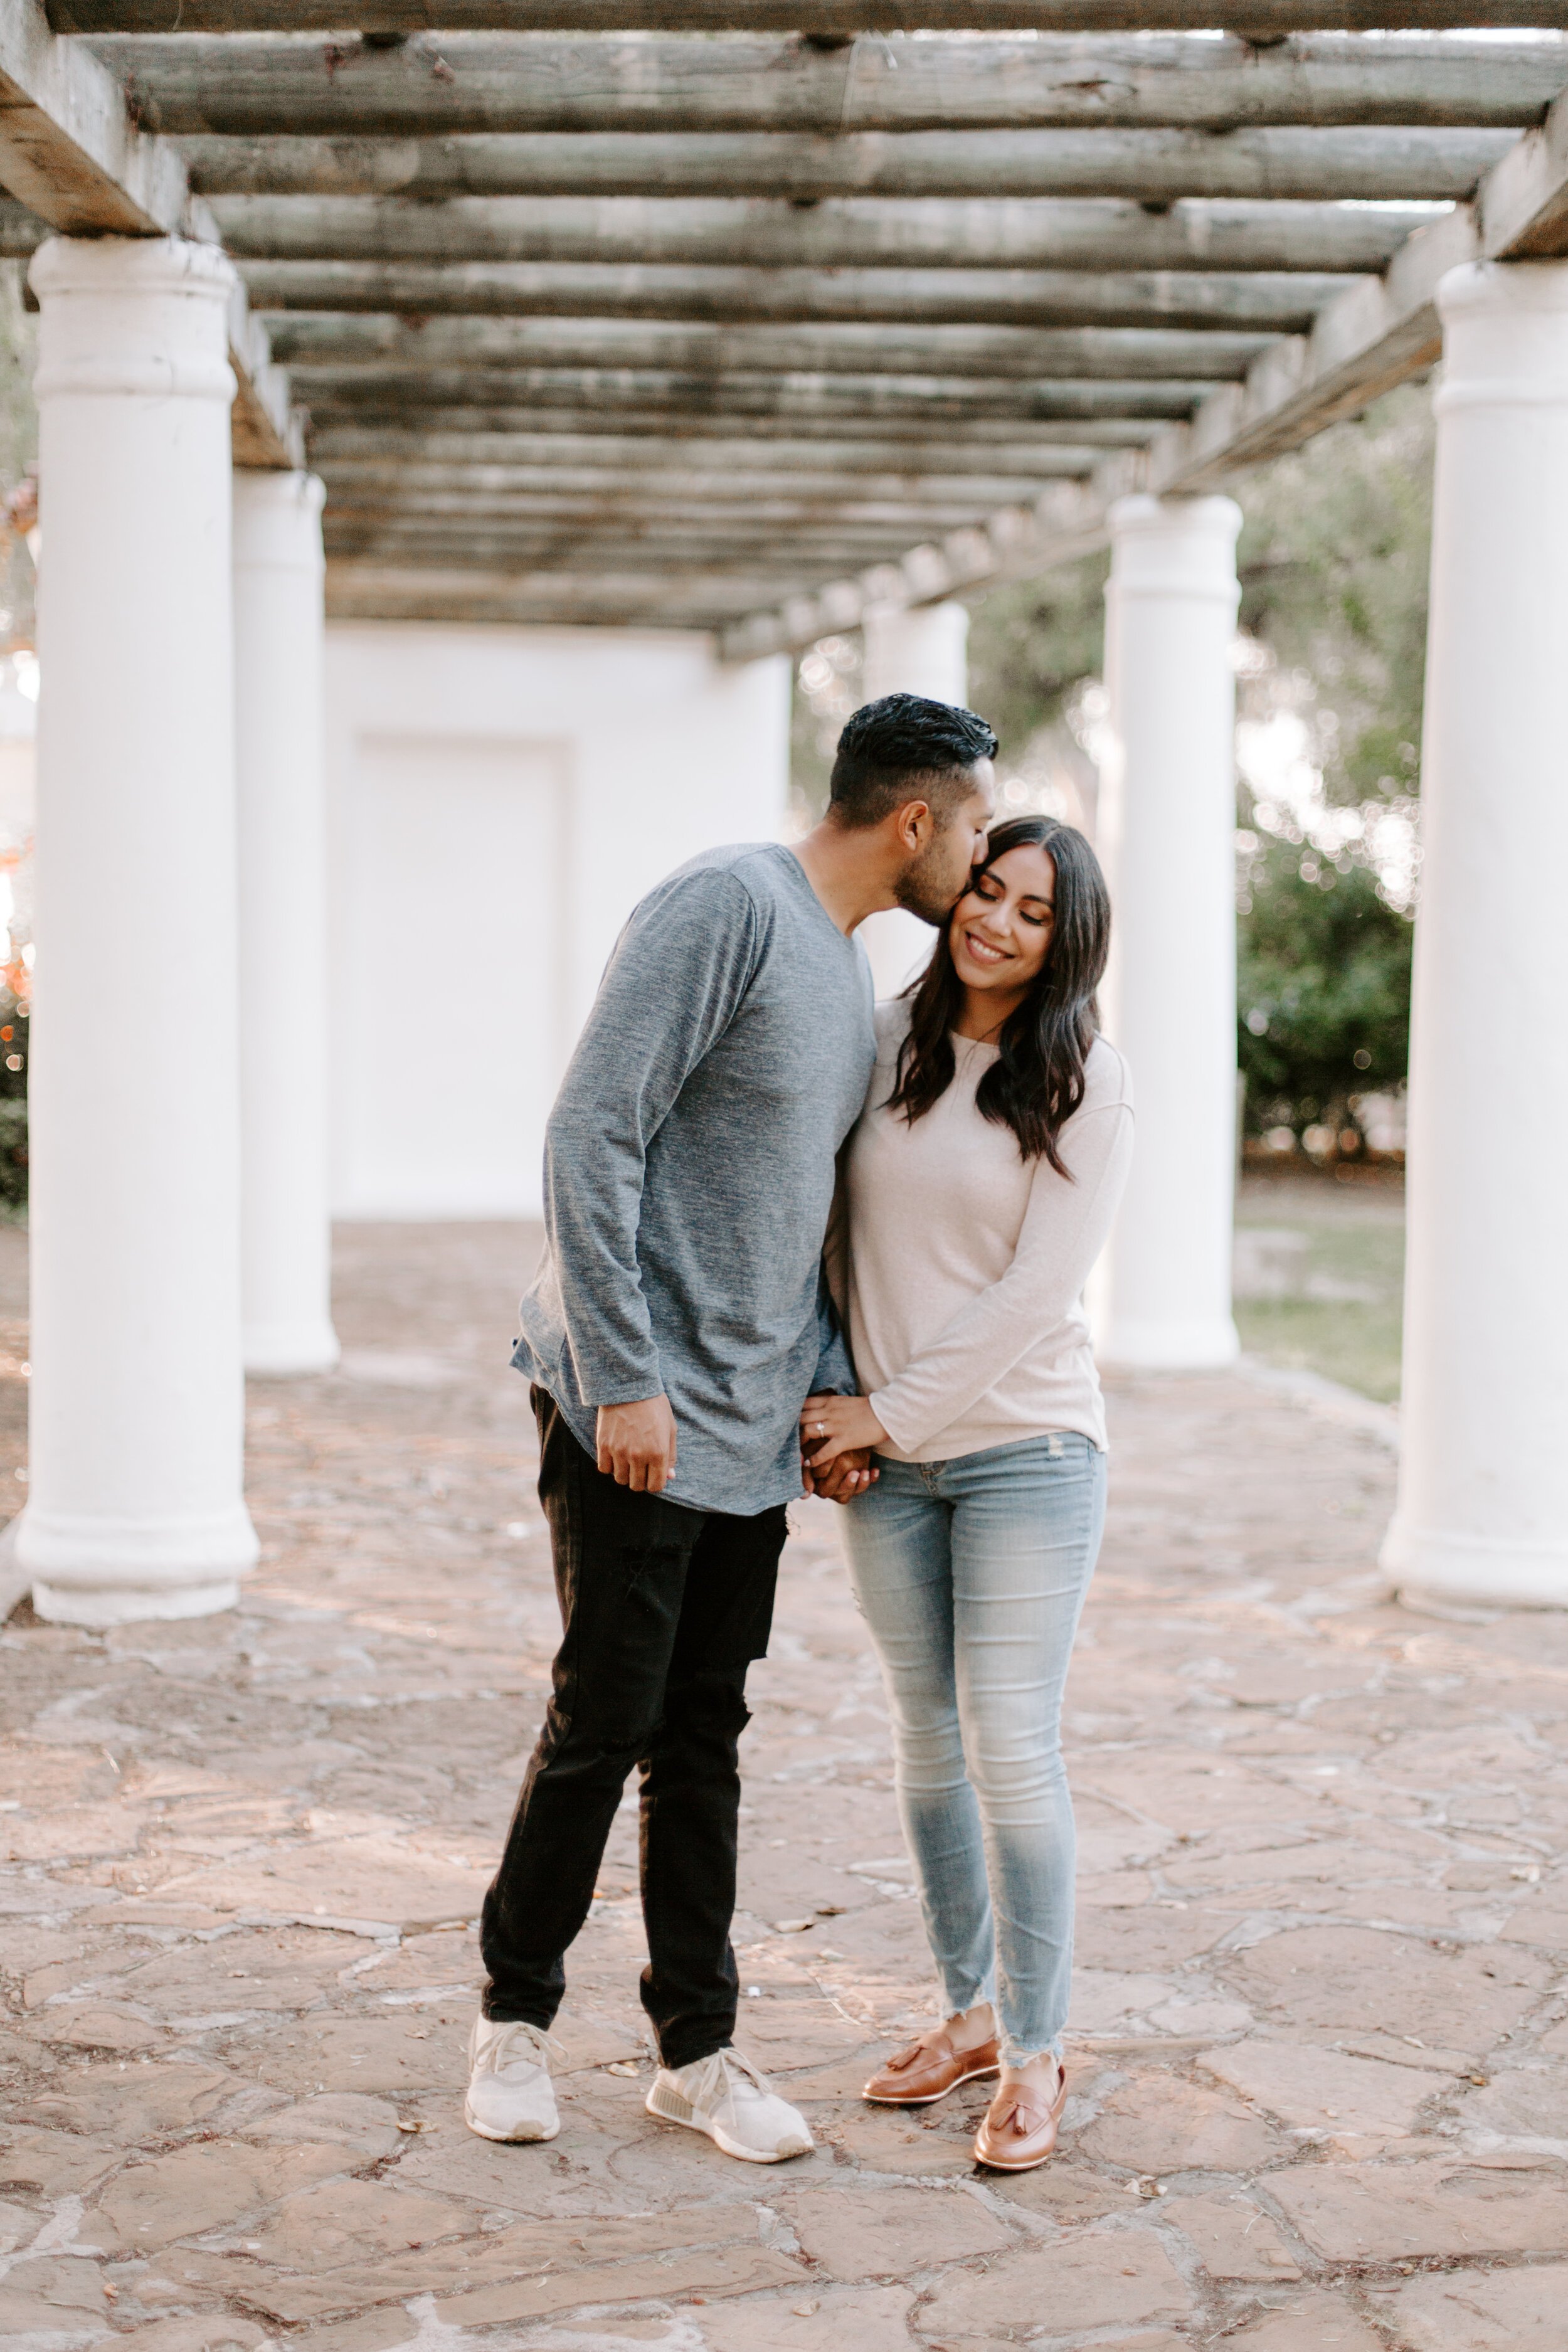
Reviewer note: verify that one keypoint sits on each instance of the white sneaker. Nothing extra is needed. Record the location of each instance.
(511, 2095)
(738, 2108)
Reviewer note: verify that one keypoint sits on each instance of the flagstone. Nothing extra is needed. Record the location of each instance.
(369, 2127)
(1499, 2311)
(1103, 2279)
(1233, 2237)
(353, 2222)
(1156, 2123)
(207, 2185)
(1383, 2212)
(842, 2319)
(1310, 2321)
(54, 2163)
(408, 2051)
(1321, 2091)
(1341, 1976)
(858, 2233)
(134, 2102)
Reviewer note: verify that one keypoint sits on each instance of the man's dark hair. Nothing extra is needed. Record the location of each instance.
(906, 748)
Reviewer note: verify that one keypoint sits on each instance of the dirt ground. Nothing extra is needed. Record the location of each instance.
(1319, 2058)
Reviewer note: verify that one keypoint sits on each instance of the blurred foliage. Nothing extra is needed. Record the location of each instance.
(1031, 644)
(13, 1102)
(1333, 562)
(1323, 986)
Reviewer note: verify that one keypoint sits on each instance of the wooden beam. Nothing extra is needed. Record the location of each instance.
(1383, 331)
(69, 149)
(1378, 335)
(836, 19)
(1267, 302)
(1149, 167)
(375, 343)
(853, 233)
(447, 82)
(889, 402)
(760, 516)
(346, 450)
(76, 165)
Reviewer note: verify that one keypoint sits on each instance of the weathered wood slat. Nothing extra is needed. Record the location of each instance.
(349, 450)
(351, 339)
(1150, 166)
(920, 402)
(763, 521)
(838, 19)
(570, 548)
(67, 149)
(391, 486)
(1265, 303)
(450, 82)
(868, 232)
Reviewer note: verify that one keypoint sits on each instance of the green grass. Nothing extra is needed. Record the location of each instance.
(1355, 1237)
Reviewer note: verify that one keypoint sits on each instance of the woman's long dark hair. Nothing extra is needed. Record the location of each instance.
(1036, 1082)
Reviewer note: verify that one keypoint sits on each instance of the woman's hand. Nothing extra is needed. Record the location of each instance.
(832, 1425)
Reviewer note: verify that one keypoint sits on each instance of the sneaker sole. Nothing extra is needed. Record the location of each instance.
(510, 2138)
(927, 2098)
(720, 2136)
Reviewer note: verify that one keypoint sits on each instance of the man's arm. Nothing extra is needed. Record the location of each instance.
(672, 987)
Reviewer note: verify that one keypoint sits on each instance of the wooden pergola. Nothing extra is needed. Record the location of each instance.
(744, 317)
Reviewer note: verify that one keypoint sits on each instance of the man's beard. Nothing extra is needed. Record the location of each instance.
(926, 890)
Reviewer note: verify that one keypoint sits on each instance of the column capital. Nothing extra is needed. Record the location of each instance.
(1174, 546)
(128, 315)
(278, 519)
(1505, 335)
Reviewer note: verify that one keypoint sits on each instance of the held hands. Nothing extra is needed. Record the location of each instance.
(637, 1443)
(837, 1436)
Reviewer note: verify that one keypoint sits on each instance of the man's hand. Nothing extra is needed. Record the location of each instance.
(849, 1475)
(637, 1443)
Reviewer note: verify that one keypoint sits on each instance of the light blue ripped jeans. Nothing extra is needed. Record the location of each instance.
(972, 1575)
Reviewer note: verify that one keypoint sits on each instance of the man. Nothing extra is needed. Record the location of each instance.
(676, 1325)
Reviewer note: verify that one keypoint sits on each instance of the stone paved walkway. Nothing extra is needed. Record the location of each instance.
(1319, 2058)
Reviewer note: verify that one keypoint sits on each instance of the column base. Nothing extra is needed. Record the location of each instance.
(117, 1573)
(276, 1350)
(1477, 1570)
(114, 1605)
(1155, 1346)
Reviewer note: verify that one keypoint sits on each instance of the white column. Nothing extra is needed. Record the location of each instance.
(278, 742)
(922, 651)
(135, 1507)
(1167, 832)
(1483, 1488)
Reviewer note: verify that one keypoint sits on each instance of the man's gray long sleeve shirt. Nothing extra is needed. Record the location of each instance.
(689, 1169)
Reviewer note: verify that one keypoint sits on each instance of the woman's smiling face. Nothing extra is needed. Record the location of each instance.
(1000, 930)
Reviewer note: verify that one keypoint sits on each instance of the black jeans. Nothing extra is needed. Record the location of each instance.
(663, 1608)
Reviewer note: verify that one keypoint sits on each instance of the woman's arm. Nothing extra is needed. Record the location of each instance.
(1065, 1229)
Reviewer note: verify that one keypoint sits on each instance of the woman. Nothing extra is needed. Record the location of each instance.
(979, 1188)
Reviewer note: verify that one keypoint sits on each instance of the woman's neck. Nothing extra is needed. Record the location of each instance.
(986, 1013)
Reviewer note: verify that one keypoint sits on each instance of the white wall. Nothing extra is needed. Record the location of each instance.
(499, 801)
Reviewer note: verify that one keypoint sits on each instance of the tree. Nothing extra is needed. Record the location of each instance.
(1323, 986)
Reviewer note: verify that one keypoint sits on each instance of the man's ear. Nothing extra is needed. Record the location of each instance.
(914, 825)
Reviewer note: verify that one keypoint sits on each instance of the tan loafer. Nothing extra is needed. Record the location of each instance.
(1019, 2130)
(928, 2070)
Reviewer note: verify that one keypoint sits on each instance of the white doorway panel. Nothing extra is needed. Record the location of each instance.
(453, 974)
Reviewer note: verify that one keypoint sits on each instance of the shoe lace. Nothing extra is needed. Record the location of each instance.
(729, 2070)
(530, 2043)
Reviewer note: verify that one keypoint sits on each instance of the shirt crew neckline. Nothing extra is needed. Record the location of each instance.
(846, 938)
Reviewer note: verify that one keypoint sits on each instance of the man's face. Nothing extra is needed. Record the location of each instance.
(931, 885)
